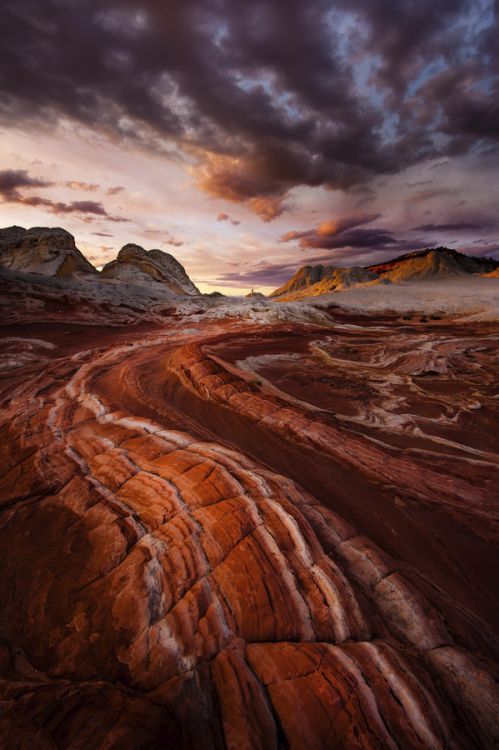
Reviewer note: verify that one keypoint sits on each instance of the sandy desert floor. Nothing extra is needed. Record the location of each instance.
(473, 297)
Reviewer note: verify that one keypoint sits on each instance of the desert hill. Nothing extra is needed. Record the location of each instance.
(469, 263)
(431, 267)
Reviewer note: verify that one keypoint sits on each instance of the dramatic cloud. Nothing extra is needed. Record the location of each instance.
(329, 229)
(339, 233)
(348, 245)
(12, 180)
(258, 97)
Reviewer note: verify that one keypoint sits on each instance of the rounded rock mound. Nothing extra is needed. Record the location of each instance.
(134, 265)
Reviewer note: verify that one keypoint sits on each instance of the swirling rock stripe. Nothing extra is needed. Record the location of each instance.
(174, 592)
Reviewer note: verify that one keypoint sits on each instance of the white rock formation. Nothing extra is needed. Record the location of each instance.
(43, 251)
(134, 265)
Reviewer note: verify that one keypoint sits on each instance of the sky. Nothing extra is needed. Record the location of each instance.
(251, 138)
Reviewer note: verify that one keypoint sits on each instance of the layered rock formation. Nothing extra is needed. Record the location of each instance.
(430, 267)
(311, 281)
(135, 265)
(42, 251)
(425, 265)
(193, 560)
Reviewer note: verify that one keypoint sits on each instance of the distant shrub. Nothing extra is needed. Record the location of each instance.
(255, 381)
(423, 319)
(435, 317)
(406, 317)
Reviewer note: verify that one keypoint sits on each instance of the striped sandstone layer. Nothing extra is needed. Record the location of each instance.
(169, 587)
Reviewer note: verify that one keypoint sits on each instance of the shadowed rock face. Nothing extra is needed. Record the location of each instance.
(138, 266)
(195, 561)
(42, 251)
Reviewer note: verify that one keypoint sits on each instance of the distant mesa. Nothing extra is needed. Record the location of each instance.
(134, 265)
(432, 264)
(43, 251)
(214, 295)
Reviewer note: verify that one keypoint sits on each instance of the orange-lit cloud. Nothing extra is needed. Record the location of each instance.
(323, 235)
(240, 181)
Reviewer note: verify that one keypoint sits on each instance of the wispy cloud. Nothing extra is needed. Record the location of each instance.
(426, 195)
(87, 187)
(12, 181)
(460, 226)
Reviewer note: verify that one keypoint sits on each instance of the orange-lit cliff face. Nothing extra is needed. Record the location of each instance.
(223, 534)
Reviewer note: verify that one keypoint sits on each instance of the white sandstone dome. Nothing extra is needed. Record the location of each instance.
(134, 265)
(43, 251)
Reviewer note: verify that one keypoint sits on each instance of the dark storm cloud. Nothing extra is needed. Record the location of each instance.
(348, 243)
(460, 226)
(328, 229)
(261, 95)
(11, 181)
(341, 233)
(358, 238)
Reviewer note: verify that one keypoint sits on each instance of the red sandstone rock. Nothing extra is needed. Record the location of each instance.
(168, 581)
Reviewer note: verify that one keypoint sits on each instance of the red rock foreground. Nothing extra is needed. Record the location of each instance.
(195, 556)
